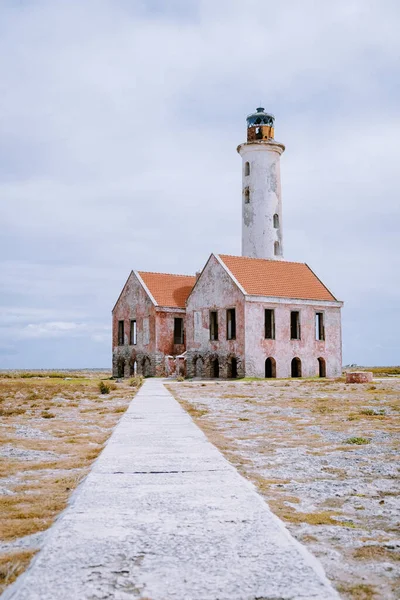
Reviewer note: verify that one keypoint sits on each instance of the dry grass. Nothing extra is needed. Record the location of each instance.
(323, 454)
(67, 419)
(373, 553)
(359, 591)
(12, 565)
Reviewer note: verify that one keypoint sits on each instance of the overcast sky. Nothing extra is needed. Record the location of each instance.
(119, 122)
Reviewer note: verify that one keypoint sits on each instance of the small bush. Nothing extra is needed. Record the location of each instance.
(9, 412)
(47, 415)
(180, 378)
(104, 388)
(358, 441)
(370, 412)
(136, 381)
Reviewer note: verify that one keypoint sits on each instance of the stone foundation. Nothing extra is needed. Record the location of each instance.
(359, 377)
(203, 365)
(127, 362)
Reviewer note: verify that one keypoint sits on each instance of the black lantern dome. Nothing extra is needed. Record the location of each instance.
(260, 117)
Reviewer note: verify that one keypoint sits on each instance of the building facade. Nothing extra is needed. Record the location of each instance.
(254, 315)
(261, 318)
(148, 323)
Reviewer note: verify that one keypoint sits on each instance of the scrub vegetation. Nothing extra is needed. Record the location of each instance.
(53, 426)
(324, 454)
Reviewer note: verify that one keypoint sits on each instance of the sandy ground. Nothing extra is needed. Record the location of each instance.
(325, 457)
(51, 430)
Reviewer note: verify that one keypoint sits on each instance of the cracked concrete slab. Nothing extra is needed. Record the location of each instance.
(163, 515)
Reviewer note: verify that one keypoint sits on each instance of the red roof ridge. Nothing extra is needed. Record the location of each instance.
(169, 274)
(274, 260)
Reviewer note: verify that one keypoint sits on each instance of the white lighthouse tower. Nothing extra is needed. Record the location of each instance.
(261, 189)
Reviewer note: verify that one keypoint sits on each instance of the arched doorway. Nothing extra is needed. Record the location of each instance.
(121, 368)
(198, 367)
(133, 367)
(146, 366)
(321, 367)
(296, 367)
(215, 368)
(270, 367)
(232, 368)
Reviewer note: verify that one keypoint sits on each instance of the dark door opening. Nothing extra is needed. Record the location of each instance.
(322, 367)
(215, 368)
(232, 371)
(296, 367)
(270, 368)
(121, 368)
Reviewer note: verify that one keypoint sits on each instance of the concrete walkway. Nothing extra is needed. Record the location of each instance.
(164, 516)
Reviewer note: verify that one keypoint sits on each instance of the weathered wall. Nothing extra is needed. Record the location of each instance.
(283, 349)
(134, 303)
(262, 189)
(155, 333)
(214, 290)
(165, 318)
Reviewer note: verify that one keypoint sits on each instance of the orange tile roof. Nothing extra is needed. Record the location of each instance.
(276, 278)
(168, 290)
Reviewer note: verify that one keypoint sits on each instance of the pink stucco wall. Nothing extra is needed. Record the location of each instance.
(283, 349)
(134, 303)
(214, 290)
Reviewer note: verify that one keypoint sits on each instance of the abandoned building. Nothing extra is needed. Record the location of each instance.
(254, 315)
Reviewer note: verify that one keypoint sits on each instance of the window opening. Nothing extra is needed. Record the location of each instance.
(270, 368)
(133, 333)
(178, 330)
(295, 325)
(231, 324)
(276, 221)
(246, 195)
(269, 324)
(277, 249)
(247, 168)
(213, 325)
(296, 367)
(121, 334)
(319, 326)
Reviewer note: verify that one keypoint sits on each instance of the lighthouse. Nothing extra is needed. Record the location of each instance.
(261, 189)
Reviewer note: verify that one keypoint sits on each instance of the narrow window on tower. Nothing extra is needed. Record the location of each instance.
(230, 324)
(319, 326)
(178, 330)
(276, 221)
(295, 325)
(133, 333)
(269, 324)
(121, 335)
(246, 193)
(247, 168)
(213, 325)
(277, 249)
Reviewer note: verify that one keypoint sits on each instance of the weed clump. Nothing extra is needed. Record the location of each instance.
(136, 381)
(45, 414)
(104, 388)
(9, 412)
(358, 441)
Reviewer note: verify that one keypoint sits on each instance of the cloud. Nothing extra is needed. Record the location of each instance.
(118, 133)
